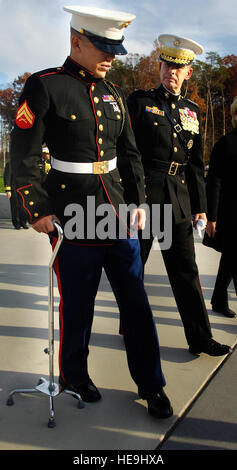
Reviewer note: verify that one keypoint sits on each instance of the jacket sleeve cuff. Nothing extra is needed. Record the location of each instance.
(36, 208)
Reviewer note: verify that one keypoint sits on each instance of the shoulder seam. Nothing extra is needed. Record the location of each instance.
(190, 101)
(55, 72)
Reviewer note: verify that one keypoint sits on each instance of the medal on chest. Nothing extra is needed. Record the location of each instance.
(111, 100)
(189, 120)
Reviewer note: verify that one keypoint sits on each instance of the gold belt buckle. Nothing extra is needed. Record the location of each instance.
(99, 168)
(173, 168)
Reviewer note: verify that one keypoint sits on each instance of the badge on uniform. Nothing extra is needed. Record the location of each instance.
(155, 110)
(189, 120)
(108, 98)
(25, 117)
(111, 100)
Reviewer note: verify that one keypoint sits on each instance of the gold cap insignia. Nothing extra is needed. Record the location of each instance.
(124, 25)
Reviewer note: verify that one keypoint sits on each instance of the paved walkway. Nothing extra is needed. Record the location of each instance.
(120, 419)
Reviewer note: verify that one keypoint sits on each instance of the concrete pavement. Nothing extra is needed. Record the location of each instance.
(120, 419)
(211, 422)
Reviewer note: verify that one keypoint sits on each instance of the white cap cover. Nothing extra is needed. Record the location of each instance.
(105, 23)
(178, 50)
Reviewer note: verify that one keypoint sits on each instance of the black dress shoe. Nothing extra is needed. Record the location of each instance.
(158, 403)
(225, 310)
(87, 391)
(24, 226)
(17, 226)
(210, 347)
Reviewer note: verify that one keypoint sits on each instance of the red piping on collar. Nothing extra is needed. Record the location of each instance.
(80, 66)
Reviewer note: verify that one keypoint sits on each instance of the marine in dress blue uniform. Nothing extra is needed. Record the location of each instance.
(167, 128)
(83, 120)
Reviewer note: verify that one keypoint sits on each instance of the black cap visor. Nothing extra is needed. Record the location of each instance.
(111, 46)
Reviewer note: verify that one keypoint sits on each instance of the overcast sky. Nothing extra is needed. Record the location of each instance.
(34, 34)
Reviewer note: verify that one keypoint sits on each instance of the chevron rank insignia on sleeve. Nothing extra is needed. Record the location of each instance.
(25, 117)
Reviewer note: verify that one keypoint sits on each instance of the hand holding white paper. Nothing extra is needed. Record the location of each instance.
(201, 225)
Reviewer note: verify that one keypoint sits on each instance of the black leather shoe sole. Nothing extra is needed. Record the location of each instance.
(88, 392)
(210, 347)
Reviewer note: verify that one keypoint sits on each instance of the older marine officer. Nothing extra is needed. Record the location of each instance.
(167, 128)
(83, 120)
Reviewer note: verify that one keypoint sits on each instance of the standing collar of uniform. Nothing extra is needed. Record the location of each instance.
(78, 71)
(162, 91)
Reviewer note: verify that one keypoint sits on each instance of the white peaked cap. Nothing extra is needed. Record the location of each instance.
(177, 49)
(105, 23)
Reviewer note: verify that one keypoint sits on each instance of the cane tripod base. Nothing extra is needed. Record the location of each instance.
(48, 388)
(44, 386)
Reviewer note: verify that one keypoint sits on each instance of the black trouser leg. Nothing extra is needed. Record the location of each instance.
(15, 215)
(184, 279)
(183, 274)
(230, 253)
(223, 279)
